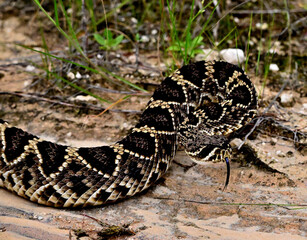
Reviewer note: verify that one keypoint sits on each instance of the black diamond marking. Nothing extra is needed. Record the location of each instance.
(29, 161)
(15, 139)
(194, 73)
(50, 191)
(193, 95)
(60, 200)
(212, 110)
(131, 167)
(193, 119)
(139, 142)
(223, 71)
(240, 95)
(52, 155)
(211, 87)
(101, 158)
(2, 179)
(78, 186)
(158, 118)
(169, 91)
(72, 177)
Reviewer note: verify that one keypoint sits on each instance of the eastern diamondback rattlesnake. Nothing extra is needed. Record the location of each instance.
(198, 106)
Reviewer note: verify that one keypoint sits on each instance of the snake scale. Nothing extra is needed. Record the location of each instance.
(198, 106)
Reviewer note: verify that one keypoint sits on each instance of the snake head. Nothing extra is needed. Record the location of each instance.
(202, 148)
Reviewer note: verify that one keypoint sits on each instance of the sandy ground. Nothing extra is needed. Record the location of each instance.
(266, 201)
(186, 204)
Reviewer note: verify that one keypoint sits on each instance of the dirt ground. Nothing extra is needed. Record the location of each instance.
(266, 197)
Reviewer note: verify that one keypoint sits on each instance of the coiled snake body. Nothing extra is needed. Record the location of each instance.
(198, 106)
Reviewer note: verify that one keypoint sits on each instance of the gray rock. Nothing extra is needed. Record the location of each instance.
(233, 55)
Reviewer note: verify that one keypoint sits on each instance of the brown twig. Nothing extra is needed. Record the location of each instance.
(269, 11)
(260, 119)
(230, 203)
(102, 89)
(61, 102)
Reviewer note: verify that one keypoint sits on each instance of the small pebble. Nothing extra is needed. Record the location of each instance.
(26, 83)
(154, 31)
(154, 74)
(280, 153)
(144, 38)
(273, 67)
(134, 20)
(251, 43)
(233, 55)
(78, 75)
(274, 140)
(132, 58)
(286, 99)
(273, 160)
(69, 11)
(262, 26)
(303, 109)
(30, 68)
(71, 75)
(86, 98)
(290, 154)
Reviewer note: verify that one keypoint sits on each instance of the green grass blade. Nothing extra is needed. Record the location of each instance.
(56, 14)
(90, 8)
(112, 11)
(248, 41)
(220, 42)
(76, 86)
(260, 42)
(51, 19)
(86, 67)
(206, 22)
(74, 39)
